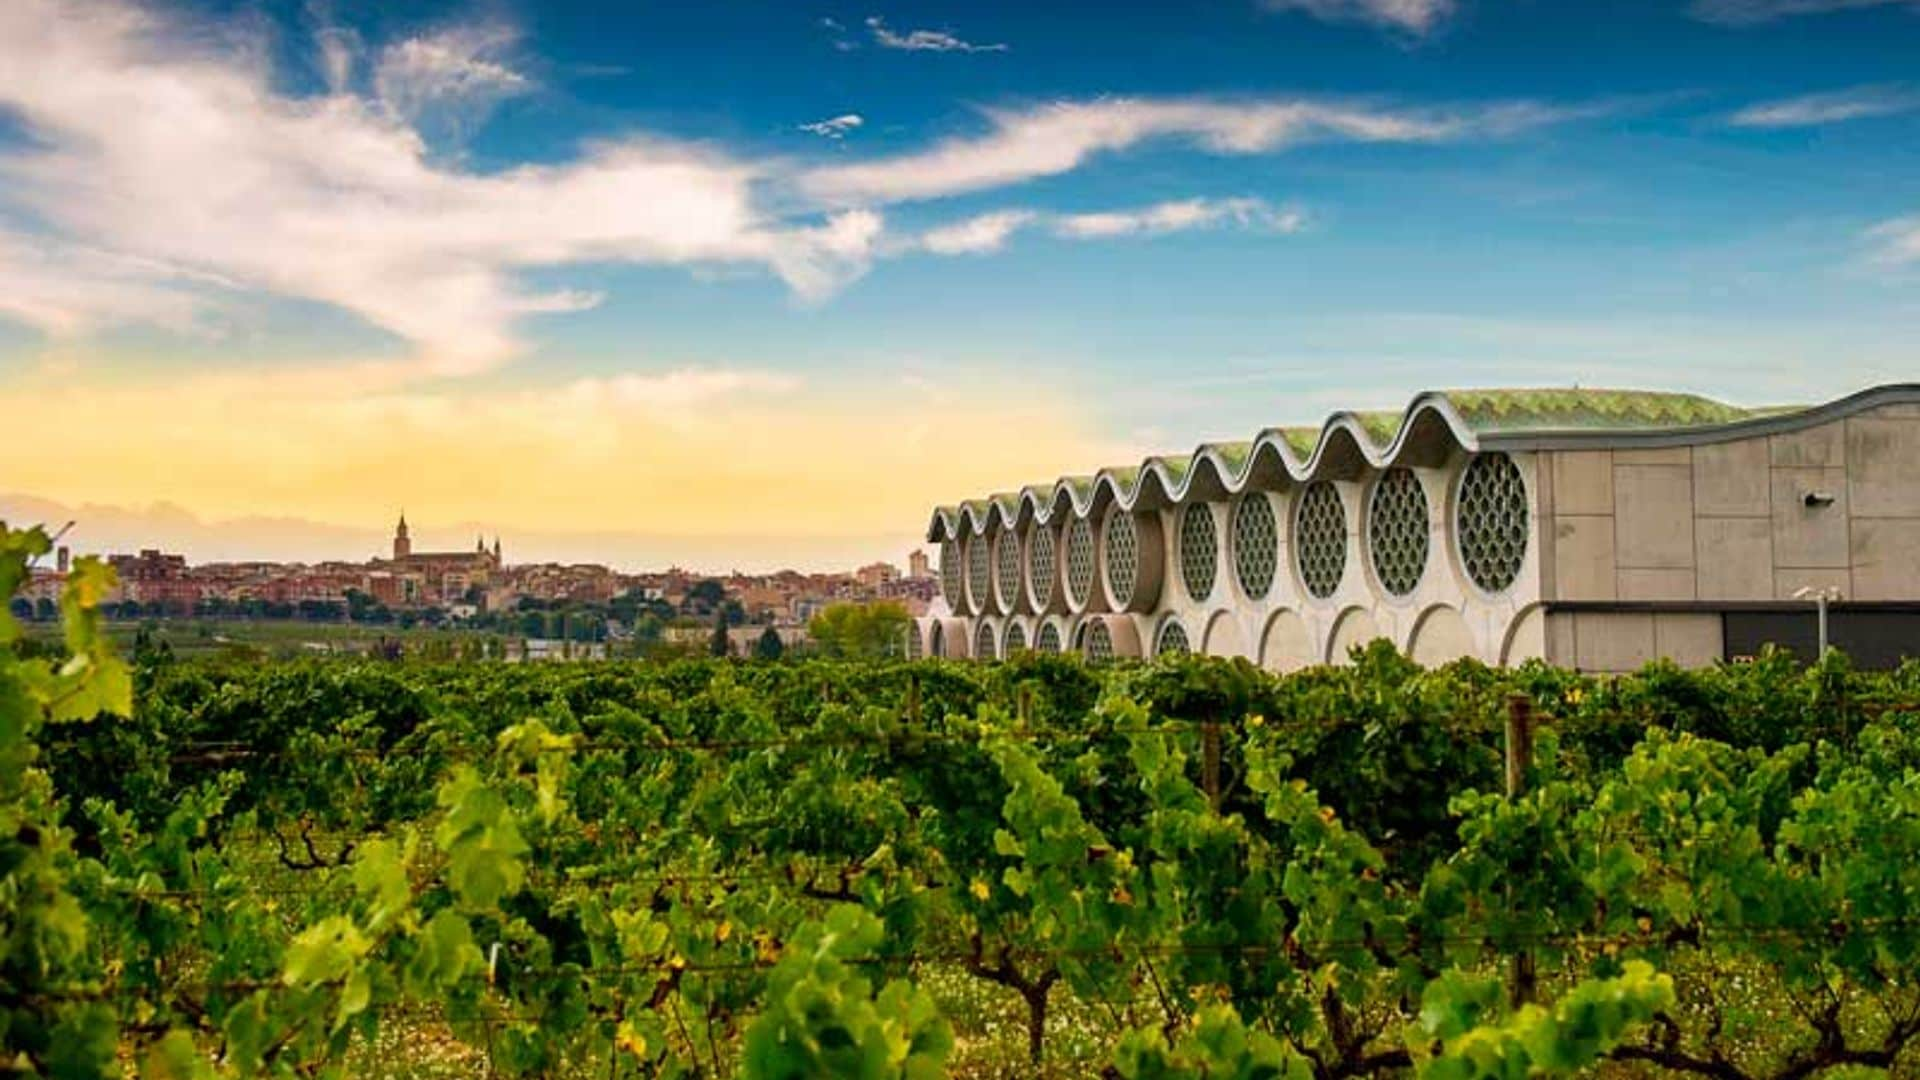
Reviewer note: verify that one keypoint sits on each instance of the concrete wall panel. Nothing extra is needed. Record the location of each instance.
(1583, 558)
(1734, 556)
(1886, 559)
(1883, 466)
(1809, 536)
(1730, 479)
(1654, 508)
(1441, 636)
(1582, 482)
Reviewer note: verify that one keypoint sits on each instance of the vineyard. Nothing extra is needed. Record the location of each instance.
(788, 870)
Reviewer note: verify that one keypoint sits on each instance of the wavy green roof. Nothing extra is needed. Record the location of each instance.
(1477, 419)
(1488, 411)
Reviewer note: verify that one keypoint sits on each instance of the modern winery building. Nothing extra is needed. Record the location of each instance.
(1596, 529)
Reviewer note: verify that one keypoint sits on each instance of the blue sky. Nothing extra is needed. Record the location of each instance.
(700, 230)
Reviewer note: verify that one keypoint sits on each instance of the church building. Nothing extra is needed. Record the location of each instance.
(443, 577)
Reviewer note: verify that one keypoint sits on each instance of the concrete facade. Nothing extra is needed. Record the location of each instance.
(1633, 541)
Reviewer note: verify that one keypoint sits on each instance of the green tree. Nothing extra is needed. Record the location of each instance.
(861, 630)
(769, 647)
(720, 644)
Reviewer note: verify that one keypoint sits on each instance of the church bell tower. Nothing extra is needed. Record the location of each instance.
(402, 546)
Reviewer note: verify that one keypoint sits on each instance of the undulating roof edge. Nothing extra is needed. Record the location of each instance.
(1474, 420)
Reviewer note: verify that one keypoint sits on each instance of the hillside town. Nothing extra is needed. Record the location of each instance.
(480, 589)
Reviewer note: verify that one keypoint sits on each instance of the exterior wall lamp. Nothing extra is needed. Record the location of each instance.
(1821, 597)
(1817, 498)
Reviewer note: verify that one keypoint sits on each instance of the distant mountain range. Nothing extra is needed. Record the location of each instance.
(107, 528)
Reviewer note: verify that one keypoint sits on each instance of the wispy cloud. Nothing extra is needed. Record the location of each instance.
(1417, 17)
(990, 232)
(1052, 139)
(1180, 215)
(452, 77)
(979, 235)
(150, 148)
(1750, 12)
(1896, 242)
(835, 127)
(924, 40)
(1832, 107)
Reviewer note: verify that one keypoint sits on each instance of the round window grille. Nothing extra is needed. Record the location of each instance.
(1173, 640)
(979, 571)
(983, 641)
(1123, 556)
(937, 641)
(1320, 538)
(1006, 569)
(1099, 641)
(1493, 521)
(1048, 639)
(1040, 565)
(913, 641)
(1256, 544)
(1016, 640)
(1079, 562)
(1199, 551)
(950, 574)
(1398, 532)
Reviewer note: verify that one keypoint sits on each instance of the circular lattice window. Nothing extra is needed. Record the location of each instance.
(1398, 531)
(937, 640)
(1320, 538)
(1493, 525)
(1016, 640)
(1040, 565)
(1256, 544)
(1123, 557)
(950, 574)
(1006, 569)
(1099, 641)
(983, 641)
(1048, 639)
(1080, 562)
(979, 573)
(1199, 551)
(913, 641)
(1172, 641)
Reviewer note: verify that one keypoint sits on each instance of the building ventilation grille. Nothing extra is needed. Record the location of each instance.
(1398, 531)
(1493, 521)
(1320, 539)
(1173, 640)
(1006, 558)
(1256, 544)
(1123, 557)
(1199, 551)
(1040, 564)
(950, 574)
(1099, 641)
(983, 641)
(1016, 640)
(979, 573)
(1079, 562)
(1048, 639)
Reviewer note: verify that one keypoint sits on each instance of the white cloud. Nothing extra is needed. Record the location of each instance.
(1180, 215)
(1749, 12)
(67, 291)
(152, 149)
(1417, 17)
(1052, 139)
(1897, 241)
(1812, 110)
(979, 235)
(457, 73)
(988, 233)
(924, 40)
(834, 127)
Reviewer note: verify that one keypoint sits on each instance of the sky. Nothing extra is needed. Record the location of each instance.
(758, 284)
